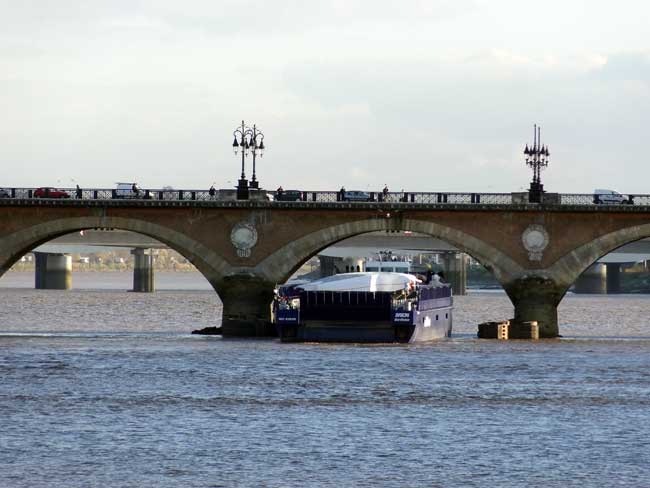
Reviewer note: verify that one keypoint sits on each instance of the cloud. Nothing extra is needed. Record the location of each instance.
(625, 66)
(433, 94)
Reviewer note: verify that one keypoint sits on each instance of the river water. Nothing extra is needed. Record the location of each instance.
(101, 387)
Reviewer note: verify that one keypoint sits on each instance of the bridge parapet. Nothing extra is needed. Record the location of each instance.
(25, 196)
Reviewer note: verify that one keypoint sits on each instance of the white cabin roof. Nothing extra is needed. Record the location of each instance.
(362, 282)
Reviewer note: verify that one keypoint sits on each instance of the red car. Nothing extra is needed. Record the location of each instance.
(50, 193)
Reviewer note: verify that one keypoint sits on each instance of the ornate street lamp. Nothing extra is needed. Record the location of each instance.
(247, 139)
(537, 157)
(243, 138)
(257, 147)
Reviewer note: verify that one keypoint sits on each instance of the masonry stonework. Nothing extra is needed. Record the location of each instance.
(245, 248)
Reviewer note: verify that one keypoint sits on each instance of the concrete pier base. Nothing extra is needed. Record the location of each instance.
(493, 330)
(455, 269)
(592, 280)
(53, 271)
(545, 314)
(508, 329)
(143, 275)
(536, 300)
(246, 307)
(523, 330)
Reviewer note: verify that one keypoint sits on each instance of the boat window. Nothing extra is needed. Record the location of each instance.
(436, 317)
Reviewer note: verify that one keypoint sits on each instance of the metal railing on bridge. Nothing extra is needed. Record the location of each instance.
(304, 196)
(353, 197)
(590, 199)
(404, 197)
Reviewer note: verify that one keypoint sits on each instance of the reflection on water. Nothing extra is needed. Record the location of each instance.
(109, 389)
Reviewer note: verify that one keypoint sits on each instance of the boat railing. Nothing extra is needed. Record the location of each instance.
(402, 304)
(288, 302)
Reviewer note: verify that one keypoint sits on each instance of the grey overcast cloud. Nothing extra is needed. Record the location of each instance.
(437, 95)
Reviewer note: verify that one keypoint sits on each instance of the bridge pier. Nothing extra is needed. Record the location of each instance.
(592, 280)
(455, 266)
(246, 306)
(330, 265)
(53, 271)
(613, 277)
(143, 274)
(536, 298)
(327, 265)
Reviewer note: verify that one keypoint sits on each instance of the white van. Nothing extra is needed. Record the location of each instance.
(610, 197)
(125, 190)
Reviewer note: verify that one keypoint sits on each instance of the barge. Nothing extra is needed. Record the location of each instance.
(364, 307)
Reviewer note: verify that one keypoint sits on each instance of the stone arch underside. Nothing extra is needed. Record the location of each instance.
(570, 266)
(17, 244)
(280, 265)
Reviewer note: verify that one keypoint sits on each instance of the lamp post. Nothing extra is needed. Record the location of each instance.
(257, 147)
(243, 137)
(537, 157)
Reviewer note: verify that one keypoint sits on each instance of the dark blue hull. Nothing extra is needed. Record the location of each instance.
(421, 326)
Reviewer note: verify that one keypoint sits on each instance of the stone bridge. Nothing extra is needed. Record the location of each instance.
(243, 248)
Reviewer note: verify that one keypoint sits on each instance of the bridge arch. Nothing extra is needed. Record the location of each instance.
(15, 245)
(566, 270)
(285, 261)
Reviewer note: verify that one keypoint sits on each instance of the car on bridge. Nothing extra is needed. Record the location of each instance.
(49, 192)
(356, 196)
(611, 197)
(127, 190)
(4, 193)
(288, 195)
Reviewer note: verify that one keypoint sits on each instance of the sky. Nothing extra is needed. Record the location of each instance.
(421, 95)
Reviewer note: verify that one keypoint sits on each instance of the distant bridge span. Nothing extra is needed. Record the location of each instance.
(350, 247)
(243, 248)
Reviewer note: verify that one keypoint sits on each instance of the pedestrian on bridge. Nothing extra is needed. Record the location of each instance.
(78, 192)
(212, 192)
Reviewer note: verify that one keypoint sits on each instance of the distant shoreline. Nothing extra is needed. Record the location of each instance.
(86, 269)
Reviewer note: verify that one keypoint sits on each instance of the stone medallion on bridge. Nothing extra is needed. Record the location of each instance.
(243, 236)
(535, 240)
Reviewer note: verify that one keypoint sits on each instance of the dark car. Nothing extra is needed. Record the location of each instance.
(356, 196)
(4, 193)
(47, 192)
(288, 196)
